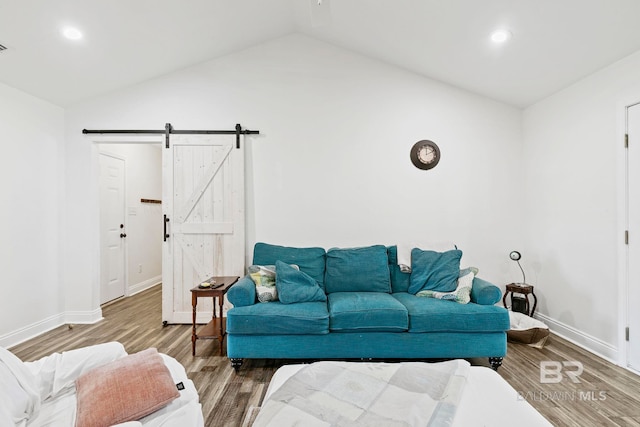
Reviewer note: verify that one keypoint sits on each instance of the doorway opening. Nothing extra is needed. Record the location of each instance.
(130, 216)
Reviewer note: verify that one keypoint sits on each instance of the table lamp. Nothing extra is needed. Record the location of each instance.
(515, 255)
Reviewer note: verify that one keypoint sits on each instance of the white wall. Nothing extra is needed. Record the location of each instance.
(331, 164)
(143, 221)
(574, 163)
(31, 164)
(331, 168)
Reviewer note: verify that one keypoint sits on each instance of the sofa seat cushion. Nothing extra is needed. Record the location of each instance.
(366, 312)
(436, 315)
(276, 318)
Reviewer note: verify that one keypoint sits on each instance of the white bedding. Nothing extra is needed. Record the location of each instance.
(52, 380)
(368, 394)
(487, 400)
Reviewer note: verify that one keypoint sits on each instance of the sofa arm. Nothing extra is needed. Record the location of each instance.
(242, 293)
(484, 293)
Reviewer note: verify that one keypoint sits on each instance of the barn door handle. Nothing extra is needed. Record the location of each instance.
(165, 234)
(123, 235)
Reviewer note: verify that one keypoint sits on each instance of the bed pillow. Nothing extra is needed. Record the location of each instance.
(296, 286)
(434, 271)
(126, 389)
(462, 293)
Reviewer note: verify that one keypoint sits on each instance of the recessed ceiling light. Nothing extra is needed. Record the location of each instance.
(500, 36)
(72, 33)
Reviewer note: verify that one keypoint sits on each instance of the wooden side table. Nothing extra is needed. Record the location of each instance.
(524, 289)
(216, 328)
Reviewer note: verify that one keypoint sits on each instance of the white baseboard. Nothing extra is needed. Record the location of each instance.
(85, 317)
(45, 325)
(581, 339)
(142, 286)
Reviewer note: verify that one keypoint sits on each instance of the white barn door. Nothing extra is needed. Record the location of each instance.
(203, 200)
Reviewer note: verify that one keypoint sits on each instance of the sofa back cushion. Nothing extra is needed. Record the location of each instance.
(358, 270)
(309, 260)
(399, 280)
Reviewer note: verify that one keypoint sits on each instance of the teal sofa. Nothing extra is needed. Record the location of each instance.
(366, 310)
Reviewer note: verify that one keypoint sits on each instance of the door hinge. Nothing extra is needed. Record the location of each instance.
(626, 237)
(626, 333)
(626, 140)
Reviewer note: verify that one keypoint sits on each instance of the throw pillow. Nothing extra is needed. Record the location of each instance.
(296, 286)
(264, 276)
(265, 279)
(126, 389)
(462, 294)
(434, 271)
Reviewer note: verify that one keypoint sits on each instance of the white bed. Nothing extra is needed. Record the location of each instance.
(487, 400)
(43, 393)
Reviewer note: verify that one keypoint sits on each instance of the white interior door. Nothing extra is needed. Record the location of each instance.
(112, 232)
(203, 200)
(633, 177)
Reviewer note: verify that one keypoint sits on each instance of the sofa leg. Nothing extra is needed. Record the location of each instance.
(495, 362)
(236, 364)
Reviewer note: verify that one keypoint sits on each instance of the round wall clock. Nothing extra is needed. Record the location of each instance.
(425, 154)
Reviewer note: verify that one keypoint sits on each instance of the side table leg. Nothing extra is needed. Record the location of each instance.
(194, 303)
(535, 302)
(222, 326)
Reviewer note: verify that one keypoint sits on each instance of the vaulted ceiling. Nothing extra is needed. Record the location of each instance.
(554, 42)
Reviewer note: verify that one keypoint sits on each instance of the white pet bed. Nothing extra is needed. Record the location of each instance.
(527, 330)
(487, 400)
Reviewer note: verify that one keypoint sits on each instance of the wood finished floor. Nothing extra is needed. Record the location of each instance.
(226, 396)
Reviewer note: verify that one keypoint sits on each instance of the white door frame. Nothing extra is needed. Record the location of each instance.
(629, 98)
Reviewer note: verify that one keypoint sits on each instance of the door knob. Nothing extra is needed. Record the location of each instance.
(123, 235)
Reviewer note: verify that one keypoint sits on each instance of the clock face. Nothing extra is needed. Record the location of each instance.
(425, 154)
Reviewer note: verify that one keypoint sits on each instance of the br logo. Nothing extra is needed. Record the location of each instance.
(552, 371)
